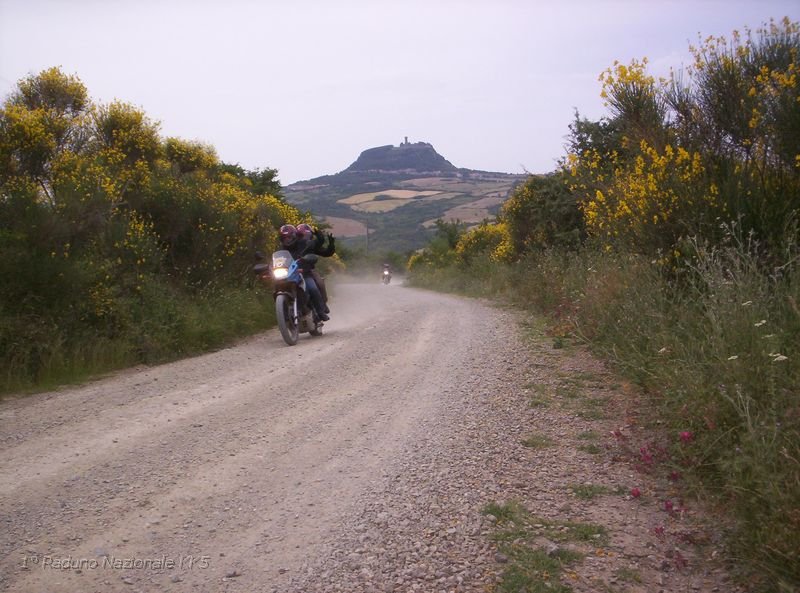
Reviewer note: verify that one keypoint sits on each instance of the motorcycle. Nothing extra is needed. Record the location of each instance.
(292, 305)
(387, 277)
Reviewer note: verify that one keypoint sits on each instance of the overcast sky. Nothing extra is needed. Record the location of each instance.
(303, 86)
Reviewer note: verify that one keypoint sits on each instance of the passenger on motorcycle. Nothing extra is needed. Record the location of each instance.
(315, 241)
(298, 245)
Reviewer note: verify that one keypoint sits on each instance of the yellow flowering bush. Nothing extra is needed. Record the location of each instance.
(636, 99)
(720, 143)
(741, 104)
(279, 212)
(651, 200)
(416, 261)
(627, 87)
(53, 90)
(27, 144)
(487, 238)
(109, 232)
(139, 247)
(190, 156)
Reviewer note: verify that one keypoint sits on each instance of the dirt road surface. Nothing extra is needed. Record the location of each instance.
(357, 461)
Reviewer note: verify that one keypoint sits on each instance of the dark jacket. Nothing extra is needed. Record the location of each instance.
(315, 245)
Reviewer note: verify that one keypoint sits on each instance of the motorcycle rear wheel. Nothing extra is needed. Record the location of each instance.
(284, 311)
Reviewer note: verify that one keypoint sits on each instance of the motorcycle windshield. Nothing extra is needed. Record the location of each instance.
(281, 259)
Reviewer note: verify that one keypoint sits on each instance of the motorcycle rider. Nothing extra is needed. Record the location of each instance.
(315, 241)
(298, 246)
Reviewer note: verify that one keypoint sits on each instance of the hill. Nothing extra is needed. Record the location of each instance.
(418, 157)
(390, 197)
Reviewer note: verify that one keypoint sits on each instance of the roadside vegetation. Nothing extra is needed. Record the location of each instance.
(668, 239)
(118, 246)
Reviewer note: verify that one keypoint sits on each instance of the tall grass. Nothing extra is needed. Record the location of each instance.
(478, 278)
(162, 324)
(716, 347)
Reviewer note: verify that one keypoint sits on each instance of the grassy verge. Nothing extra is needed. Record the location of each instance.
(159, 326)
(537, 550)
(715, 347)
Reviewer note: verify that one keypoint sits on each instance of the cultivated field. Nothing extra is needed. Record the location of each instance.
(346, 227)
(487, 193)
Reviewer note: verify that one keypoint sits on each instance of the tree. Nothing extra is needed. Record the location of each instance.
(259, 181)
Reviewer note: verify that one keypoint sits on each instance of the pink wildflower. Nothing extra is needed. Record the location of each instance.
(635, 492)
(686, 436)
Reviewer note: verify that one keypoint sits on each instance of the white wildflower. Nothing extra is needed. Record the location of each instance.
(760, 323)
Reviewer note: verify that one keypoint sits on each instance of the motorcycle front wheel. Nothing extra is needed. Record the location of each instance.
(284, 311)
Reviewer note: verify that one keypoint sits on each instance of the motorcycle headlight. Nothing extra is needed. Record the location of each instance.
(280, 273)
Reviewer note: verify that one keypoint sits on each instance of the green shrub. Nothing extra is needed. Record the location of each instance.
(118, 247)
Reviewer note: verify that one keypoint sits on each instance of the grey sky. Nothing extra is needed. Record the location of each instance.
(303, 86)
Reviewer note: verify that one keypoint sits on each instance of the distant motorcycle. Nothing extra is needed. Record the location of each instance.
(386, 276)
(292, 306)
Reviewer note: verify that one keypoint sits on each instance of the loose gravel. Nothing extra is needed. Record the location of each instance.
(371, 459)
(425, 527)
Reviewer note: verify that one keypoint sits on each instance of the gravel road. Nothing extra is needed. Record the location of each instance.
(357, 461)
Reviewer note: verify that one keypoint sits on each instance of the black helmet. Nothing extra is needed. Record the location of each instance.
(288, 235)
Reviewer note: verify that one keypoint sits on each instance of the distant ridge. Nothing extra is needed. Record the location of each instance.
(417, 157)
